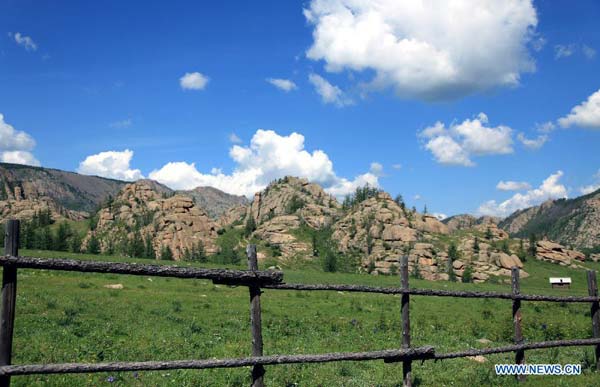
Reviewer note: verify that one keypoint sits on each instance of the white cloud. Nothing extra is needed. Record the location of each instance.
(417, 197)
(397, 166)
(19, 157)
(549, 189)
(546, 127)
(111, 164)
(329, 93)
(16, 145)
(513, 185)
(234, 138)
(268, 156)
(440, 216)
(585, 115)
(592, 187)
(24, 41)
(564, 51)
(588, 51)
(193, 81)
(122, 124)
(426, 49)
(456, 144)
(282, 84)
(533, 143)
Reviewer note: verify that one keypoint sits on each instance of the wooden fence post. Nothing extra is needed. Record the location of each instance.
(405, 310)
(9, 297)
(258, 371)
(516, 314)
(595, 312)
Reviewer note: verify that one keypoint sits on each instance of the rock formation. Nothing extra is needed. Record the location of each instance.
(174, 222)
(556, 253)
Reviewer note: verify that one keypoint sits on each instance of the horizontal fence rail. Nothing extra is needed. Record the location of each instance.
(390, 356)
(233, 277)
(431, 292)
(257, 280)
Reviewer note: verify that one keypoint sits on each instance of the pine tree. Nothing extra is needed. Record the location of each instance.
(250, 226)
(425, 209)
(200, 253)
(136, 245)
(75, 243)
(166, 254)
(148, 248)
(93, 245)
(63, 233)
(521, 253)
(488, 234)
(505, 247)
(532, 246)
(452, 256)
(476, 245)
(315, 249)
(467, 276)
(330, 262)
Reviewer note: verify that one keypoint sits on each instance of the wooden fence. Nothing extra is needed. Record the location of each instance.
(256, 280)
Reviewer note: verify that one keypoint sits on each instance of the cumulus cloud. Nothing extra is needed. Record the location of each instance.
(376, 169)
(397, 166)
(24, 41)
(456, 144)
(585, 115)
(16, 145)
(329, 93)
(549, 189)
(268, 156)
(430, 50)
(282, 84)
(111, 164)
(532, 143)
(513, 185)
(193, 81)
(440, 216)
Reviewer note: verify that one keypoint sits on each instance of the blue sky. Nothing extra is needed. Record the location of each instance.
(81, 83)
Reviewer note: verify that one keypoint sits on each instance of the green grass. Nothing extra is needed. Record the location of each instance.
(72, 317)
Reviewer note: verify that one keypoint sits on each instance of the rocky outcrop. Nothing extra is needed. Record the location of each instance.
(380, 231)
(284, 206)
(556, 253)
(293, 195)
(174, 222)
(19, 205)
(233, 215)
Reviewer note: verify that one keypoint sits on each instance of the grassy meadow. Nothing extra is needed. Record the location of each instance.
(72, 317)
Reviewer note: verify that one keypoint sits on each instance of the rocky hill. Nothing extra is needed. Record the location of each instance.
(572, 222)
(284, 206)
(143, 215)
(25, 190)
(67, 189)
(216, 202)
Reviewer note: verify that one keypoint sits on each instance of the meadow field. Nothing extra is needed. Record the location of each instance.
(72, 317)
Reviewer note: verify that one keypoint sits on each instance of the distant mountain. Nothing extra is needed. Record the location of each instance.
(571, 222)
(466, 221)
(69, 190)
(214, 201)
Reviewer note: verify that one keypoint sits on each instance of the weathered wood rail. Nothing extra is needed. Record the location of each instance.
(257, 280)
